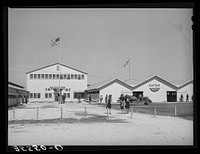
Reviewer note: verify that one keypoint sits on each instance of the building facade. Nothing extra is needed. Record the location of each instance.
(44, 83)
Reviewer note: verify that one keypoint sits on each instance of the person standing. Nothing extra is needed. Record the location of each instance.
(187, 98)
(122, 103)
(181, 98)
(106, 99)
(101, 98)
(127, 106)
(63, 98)
(108, 106)
(90, 99)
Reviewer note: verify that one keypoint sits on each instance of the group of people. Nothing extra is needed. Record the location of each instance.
(61, 99)
(24, 99)
(124, 103)
(187, 98)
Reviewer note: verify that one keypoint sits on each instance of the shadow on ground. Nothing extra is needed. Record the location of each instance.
(90, 118)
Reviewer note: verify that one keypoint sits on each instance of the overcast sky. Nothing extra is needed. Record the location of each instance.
(100, 41)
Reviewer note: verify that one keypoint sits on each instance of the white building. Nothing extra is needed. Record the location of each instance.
(186, 88)
(114, 87)
(43, 83)
(157, 89)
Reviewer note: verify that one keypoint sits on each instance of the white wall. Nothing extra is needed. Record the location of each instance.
(115, 90)
(40, 85)
(158, 96)
(184, 91)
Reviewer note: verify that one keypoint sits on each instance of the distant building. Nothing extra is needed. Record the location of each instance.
(43, 83)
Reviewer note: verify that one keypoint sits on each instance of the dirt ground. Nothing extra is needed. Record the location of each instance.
(94, 129)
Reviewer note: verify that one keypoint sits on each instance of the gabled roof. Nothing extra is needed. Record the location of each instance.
(55, 64)
(15, 85)
(185, 84)
(104, 84)
(156, 78)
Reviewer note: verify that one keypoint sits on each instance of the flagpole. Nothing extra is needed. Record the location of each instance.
(59, 64)
(129, 67)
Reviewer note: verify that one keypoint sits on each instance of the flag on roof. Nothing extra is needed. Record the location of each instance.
(126, 63)
(55, 41)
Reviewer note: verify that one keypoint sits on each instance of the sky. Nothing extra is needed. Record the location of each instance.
(100, 41)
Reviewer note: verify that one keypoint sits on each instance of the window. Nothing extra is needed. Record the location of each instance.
(46, 95)
(31, 95)
(35, 96)
(75, 76)
(68, 95)
(54, 76)
(35, 76)
(68, 76)
(38, 96)
(42, 76)
(61, 76)
(50, 76)
(46, 76)
(38, 76)
(31, 76)
(82, 76)
(65, 76)
(72, 76)
(79, 76)
(57, 76)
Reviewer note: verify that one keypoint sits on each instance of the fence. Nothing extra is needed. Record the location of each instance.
(36, 113)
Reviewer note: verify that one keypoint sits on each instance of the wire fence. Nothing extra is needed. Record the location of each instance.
(40, 113)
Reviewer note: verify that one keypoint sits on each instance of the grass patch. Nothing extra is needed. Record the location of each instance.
(92, 118)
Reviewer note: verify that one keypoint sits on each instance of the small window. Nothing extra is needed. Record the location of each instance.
(72, 76)
(38, 96)
(38, 76)
(35, 96)
(31, 95)
(46, 95)
(61, 76)
(35, 76)
(75, 76)
(82, 76)
(50, 95)
(65, 76)
(68, 76)
(31, 76)
(57, 76)
(46, 76)
(54, 76)
(79, 77)
(50, 76)
(42, 76)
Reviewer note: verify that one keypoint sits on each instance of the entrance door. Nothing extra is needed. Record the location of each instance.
(137, 93)
(171, 96)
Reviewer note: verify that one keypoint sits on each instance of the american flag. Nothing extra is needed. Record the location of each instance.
(55, 41)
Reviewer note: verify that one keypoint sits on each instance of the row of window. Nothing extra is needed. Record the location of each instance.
(93, 92)
(56, 76)
(47, 95)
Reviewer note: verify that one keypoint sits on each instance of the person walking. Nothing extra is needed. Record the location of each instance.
(122, 103)
(108, 106)
(127, 106)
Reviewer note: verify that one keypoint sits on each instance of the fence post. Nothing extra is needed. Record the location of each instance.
(154, 111)
(14, 113)
(37, 113)
(175, 111)
(85, 112)
(107, 113)
(61, 112)
(131, 112)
